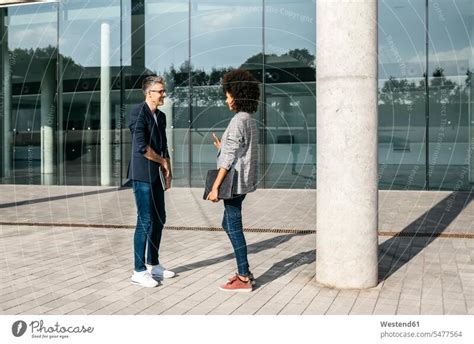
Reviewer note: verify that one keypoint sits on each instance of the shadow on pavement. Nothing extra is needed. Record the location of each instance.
(401, 248)
(55, 198)
(284, 266)
(396, 251)
(251, 249)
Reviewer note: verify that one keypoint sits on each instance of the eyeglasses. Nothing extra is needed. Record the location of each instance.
(158, 91)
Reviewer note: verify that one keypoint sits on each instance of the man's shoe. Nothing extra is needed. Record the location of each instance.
(144, 279)
(161, 272)
(250, 276)
(236, 284)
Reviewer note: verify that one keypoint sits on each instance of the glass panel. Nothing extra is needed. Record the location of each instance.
(158, 38)
(224, 35)
(91, 111)
(29, 55)
(402, 62)
(450, 66)
(290, 91)
(210, 116)
(291, 136)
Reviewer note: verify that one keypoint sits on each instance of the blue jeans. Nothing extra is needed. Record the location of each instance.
(151, 217)
(232, 224)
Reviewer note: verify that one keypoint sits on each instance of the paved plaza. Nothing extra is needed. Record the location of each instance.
(68, 250)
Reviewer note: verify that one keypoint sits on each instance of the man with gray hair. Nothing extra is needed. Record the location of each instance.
(149, 158)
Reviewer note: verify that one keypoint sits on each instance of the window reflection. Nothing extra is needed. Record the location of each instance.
(159, 43)
(148, 37)
(450, 88)
(402, 94)
(54, 137)
(224, 35)
(91, 114)
(290, 89)
(28, 94)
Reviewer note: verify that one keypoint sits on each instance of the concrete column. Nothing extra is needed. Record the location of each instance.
(167, 108)
(7, 143)
(346, 65)
(48, 123)
(105, 109)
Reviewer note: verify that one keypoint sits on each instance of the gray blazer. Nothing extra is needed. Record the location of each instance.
(239, 150)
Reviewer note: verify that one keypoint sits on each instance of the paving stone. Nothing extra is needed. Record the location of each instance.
(86, 270)
(317, 308)
(293, 309)
(271, 308)
(363, 305)
(384, 309)
(225, 308)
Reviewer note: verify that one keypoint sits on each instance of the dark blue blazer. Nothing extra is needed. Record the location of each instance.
(146, 132)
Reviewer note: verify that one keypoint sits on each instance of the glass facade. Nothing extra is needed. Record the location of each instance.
(426, 58)
(90, 92)
(71, 70)
(28, 94)
(450, 66)
(402, 94)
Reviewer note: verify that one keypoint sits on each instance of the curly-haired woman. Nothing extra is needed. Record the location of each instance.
(238, 150)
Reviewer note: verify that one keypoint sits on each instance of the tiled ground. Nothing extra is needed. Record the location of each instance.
(65, 270)
(54, 261)
(408, 211)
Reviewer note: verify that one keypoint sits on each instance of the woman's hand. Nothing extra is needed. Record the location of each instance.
(213, 195)
(217, 142)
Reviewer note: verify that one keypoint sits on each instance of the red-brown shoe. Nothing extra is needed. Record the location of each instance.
(236, 284)
(250, 276)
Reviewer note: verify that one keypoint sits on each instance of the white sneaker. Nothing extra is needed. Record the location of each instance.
(161, 272)
(144, 279)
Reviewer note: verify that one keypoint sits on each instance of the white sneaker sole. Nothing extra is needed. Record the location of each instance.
(162, 276)
(144, 285)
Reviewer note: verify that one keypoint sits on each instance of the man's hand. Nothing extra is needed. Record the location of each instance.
(167, 183)
(168, 177)
(150, 154)
(165, 165)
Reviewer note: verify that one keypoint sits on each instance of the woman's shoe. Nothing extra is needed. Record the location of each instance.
(236, 284)
(250, 276)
